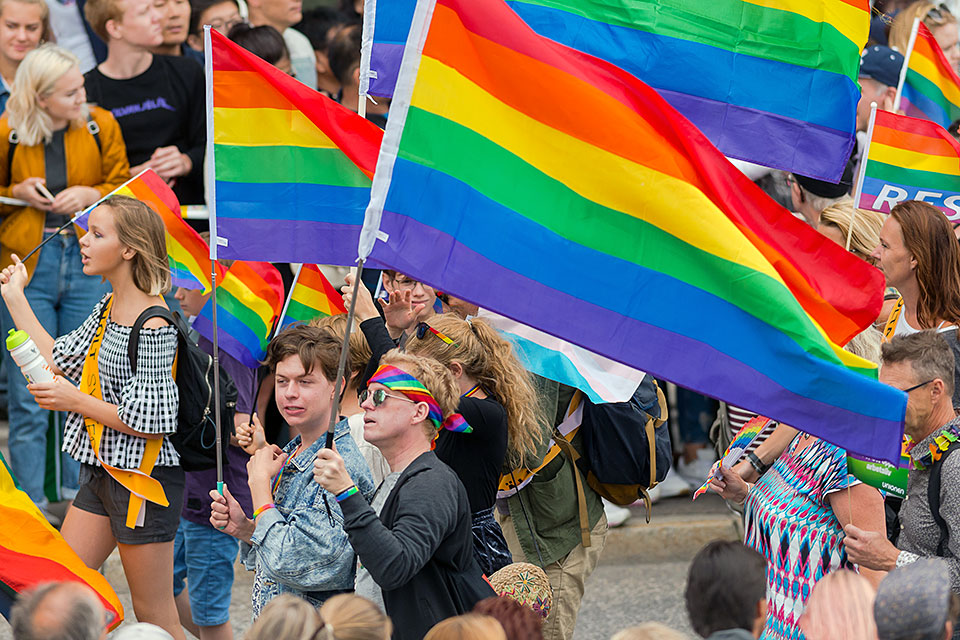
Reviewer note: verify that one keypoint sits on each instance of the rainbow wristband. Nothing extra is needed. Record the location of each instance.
(347, 493)
(265, 507)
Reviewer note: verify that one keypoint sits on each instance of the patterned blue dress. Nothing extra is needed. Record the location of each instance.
(789, 521)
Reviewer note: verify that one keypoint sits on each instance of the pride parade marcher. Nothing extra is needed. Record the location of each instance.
(414, 540)
(117, 421)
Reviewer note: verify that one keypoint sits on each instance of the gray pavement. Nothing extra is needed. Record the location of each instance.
(640, 577)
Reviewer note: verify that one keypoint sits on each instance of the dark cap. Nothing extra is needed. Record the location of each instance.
(824, 189)
(914, 601)
(881, 64)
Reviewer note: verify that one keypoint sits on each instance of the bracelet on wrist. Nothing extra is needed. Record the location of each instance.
(346, 493)
(757, 463)
(265, 507)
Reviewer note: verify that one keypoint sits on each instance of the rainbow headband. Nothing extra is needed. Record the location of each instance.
(399, 380)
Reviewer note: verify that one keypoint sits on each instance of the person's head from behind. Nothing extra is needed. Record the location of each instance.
(879, 75)
(126, 238)
(407, 401)
(811, 196)
(840, 608)
(58, 611)
(649, 631)
(137, 24)
(835, 223)
(343, 55)
(286, 617)
(727, 589)
(922, 364)
(914, 602)
(471, 626)
(24, 25)
(358, 351)
(918, 249)
(304, 362)
(47, 94)
(518, 622)
(265, 42)
(175, 23)
(937, 18)
(221, 15)
(349, 617)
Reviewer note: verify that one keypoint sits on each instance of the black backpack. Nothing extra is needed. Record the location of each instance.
(196, 436)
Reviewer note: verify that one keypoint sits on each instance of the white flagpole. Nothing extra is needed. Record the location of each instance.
(214, 239)
(286, 303)
(858, 191)
(906, 63)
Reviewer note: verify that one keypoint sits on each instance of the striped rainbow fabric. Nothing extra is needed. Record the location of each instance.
(931, 89)
(33, 552)
(615, 224)
(909, 159)
(715, 61)
(312, 297)
(293, 167)
(249, 301)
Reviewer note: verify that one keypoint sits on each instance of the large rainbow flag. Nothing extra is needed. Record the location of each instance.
(613, 223)
(715, 61)
(293, 167)
(32, 552)
(911, 159)
(312, 297)
(249, 300)
(931, 87)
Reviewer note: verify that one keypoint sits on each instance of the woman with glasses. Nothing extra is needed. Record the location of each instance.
(221, 15)
(938, 19)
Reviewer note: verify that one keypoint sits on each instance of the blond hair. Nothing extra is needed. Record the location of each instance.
(350, 617)
(35, 79)
(931, 15)
(471, 626)
(435, 377)
(840, 607)
(490, 360)
(286, 617)
(140, 228)
(358, 351)
(865, 236)
(649, 631)
(99, 12)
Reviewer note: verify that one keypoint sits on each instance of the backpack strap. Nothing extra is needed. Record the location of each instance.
(133, 344)
(933, 497)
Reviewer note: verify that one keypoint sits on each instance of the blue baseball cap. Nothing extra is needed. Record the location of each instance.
(882, 64)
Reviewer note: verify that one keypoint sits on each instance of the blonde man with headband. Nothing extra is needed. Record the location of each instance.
(24, 26)
(938, 19)
(414, 541)
(74, 152)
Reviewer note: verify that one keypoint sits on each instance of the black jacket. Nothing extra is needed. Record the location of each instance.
(420, 550)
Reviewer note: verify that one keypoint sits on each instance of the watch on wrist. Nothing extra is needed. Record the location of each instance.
(757, 463)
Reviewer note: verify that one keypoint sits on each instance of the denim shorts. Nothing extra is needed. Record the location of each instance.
(204, 557)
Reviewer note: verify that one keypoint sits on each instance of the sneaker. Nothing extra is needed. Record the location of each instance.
(672, 486)
(616, 515)
(696, 471)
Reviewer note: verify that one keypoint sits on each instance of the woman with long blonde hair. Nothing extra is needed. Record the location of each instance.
(938, 19)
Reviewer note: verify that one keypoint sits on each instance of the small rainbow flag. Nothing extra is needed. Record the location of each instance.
(312, 297)
(32, 552)
(911, 159)
(740, 443)
(293, 168)
(932, 88)
(482, 190)
(249, 300)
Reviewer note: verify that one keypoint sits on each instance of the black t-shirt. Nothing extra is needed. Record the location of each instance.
(162, 106)
(477, 457)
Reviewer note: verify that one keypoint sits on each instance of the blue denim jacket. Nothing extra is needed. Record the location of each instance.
(300, 548)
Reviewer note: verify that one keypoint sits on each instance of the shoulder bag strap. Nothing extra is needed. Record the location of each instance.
(933, 496)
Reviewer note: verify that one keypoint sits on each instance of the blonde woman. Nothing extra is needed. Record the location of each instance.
(835, 222)
(116, 421)
(350, 617)
(24, 25)
(55, 148)
(286, 617)
(471, 626)
(840, 608)
(938, 19)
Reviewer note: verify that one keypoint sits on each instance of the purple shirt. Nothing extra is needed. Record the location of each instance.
(196, 495)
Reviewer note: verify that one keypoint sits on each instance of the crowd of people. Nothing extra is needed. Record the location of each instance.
(440, 494)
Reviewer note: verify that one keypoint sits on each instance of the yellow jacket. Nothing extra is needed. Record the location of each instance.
(22, 227)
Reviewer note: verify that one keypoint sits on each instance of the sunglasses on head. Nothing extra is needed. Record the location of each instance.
(380, 396)
(423, 328)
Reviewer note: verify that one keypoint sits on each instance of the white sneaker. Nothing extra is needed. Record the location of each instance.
(672, 486)
(696, 471)
(616, 515)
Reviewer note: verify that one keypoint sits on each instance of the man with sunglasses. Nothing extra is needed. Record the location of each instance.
(922, 365)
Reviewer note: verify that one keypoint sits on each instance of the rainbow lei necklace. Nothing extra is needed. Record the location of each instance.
(949, 434)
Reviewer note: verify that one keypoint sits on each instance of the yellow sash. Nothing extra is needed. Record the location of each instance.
(891, 325)
(137, 481)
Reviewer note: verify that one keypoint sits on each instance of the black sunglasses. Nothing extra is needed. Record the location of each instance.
(423, 328)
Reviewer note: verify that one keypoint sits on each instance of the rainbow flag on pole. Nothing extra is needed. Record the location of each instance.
(292, 167)
(249, 300)
(605, 222)
(32, 552)
(312, 297)
(932, 88)
(911, 159)
(715, 61)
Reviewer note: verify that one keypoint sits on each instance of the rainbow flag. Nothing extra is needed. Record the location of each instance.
(911, 159)
(613, 223)
(931, 89)
(248, 303)
(715, 61)
(312, 297)
(32, 552)
(293, 167)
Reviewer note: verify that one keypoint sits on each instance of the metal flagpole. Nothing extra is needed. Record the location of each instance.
(906, 62)
(342, 366)
(858, 191)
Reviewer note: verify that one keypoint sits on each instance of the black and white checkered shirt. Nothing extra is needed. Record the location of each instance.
(147, 403)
